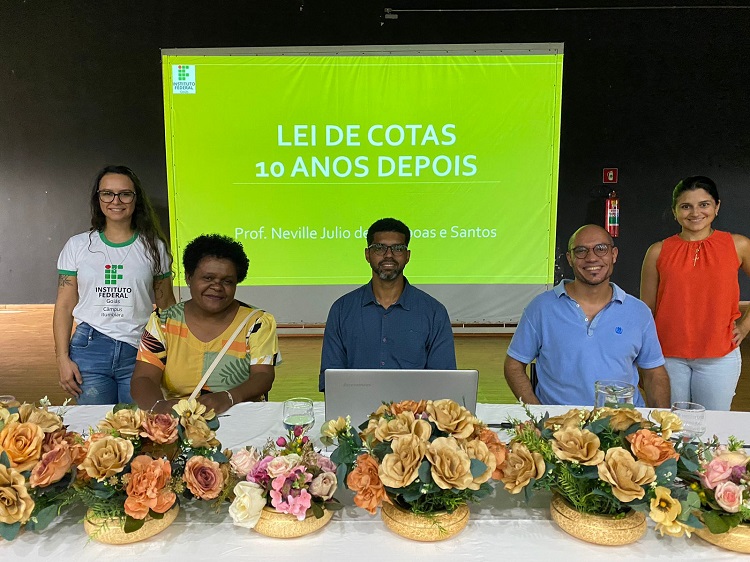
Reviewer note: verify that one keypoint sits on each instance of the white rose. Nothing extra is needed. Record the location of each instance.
(324, 485)
(244, 460)
(247, 505)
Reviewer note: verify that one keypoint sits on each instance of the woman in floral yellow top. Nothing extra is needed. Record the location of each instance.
(180, 342)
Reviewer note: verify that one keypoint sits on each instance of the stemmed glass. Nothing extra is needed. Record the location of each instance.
(693, 418)
(298, 412)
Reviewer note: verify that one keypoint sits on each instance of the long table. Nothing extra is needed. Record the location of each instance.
(502, 526)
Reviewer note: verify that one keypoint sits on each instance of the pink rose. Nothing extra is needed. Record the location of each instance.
(281, 466)
(729, 496)
(716, 472)
(326, 464)
(244, 461)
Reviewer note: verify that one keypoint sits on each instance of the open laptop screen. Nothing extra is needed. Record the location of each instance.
(359, 392)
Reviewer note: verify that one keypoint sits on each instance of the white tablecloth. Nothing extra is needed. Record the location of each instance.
(501, 527)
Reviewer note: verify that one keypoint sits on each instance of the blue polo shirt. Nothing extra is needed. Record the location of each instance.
(413, 333)
(571, 353)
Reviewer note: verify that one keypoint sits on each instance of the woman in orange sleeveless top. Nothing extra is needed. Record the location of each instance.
(689, 281)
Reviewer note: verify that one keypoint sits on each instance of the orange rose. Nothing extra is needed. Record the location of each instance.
(160, 428)
(497, 448)
(364, 480)
(521, 467)
(53, 439)
(651, 448)
(203, 477)
(52, 466)
(417, 408)
(148, 487)
(78, 447)
(22, 442)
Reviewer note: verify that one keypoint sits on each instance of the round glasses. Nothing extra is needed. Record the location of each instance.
(600, 250)
(109, 196)
(382, 249)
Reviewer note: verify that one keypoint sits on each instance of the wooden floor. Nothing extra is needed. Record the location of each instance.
(28, 370)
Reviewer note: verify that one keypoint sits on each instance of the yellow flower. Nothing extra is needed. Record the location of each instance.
(520, 467)
(126, 422)
(48, 421)
(573, 444)
(15, 503)
(451, 417)
(674, 529)
(626, 474)
(198, 434)
(451, 465)
(107, 457)
(6, 417)
(332, 428)
(401, 467)
(621, 418)
(187, 409)
(402, 424)
(574, 418)
(668, 422)
(664, 508)
(477, 449)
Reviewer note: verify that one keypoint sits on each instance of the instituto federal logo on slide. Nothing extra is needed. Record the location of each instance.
(183, 78)
(112, 274)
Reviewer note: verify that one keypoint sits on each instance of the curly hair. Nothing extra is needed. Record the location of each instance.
(215, 246)
(144, 220)
(388, 225)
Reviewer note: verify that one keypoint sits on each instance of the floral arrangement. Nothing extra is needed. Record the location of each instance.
(425, 456)
(38, 458)
(138, 463)
(722, 486)
(287, 475)
(607, 461)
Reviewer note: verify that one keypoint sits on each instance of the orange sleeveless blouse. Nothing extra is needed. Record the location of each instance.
(697, 301)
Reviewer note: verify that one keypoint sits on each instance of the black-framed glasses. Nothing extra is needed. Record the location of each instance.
(382, 249)
(109, 196)
(600, 250)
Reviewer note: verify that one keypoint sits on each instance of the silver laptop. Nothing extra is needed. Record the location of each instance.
(359, 392)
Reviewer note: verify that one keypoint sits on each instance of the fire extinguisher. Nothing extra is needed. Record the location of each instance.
(612, 215)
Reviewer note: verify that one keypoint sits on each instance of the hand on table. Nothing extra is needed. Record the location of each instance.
(219, 402)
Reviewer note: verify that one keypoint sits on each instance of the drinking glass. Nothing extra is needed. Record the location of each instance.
(613, 394)
(693, 418)
(8, 401)
(298, 412)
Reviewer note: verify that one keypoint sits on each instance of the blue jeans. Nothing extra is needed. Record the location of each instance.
(106, 366)
(710, 382)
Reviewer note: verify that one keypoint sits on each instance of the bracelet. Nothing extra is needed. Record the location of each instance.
(231, 398)
(154, 405)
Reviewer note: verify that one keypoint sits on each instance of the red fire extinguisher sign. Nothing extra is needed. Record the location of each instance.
(612, 215)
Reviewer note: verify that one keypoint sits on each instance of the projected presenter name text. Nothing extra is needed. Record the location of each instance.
(375, 137)
(333, 232)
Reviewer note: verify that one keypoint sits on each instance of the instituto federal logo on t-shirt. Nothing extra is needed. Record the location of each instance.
(112, 274)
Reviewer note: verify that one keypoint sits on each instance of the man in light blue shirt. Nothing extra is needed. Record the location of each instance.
(586, 330)
(388, 323)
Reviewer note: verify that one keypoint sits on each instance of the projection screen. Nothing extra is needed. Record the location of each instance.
(296, 151)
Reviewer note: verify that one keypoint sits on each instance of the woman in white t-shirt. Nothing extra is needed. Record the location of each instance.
(108, 280)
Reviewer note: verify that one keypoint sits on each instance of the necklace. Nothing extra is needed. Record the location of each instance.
(112, 263)
(696, 257)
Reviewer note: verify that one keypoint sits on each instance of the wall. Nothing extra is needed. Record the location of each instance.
(658, 93)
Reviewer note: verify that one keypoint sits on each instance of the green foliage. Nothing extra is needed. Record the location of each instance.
(4, 460)
(132, 524)
(720, 522)
(9, 531)
(477, 468)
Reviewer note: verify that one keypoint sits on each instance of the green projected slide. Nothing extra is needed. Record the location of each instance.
(295, 156)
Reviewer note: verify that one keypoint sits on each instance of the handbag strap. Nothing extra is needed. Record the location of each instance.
(224, 349)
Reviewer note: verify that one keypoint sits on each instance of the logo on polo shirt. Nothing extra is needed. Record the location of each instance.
(112, 274)
(618, 330)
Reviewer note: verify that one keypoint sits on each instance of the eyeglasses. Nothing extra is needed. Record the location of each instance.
(600, 250)
(109, 196)
(382, 249)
